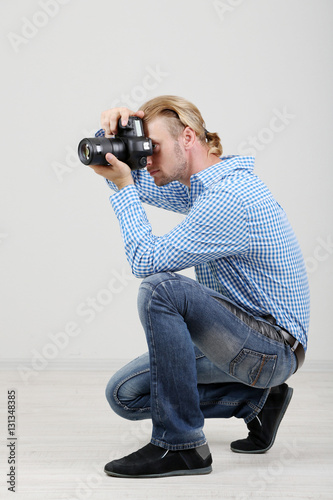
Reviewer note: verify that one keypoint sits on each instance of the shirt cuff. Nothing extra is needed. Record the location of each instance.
(111, 185)
(124, 198)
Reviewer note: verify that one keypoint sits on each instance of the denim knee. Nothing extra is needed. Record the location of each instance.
(155, 279)
(111, 396)
(111, 393)
(148, 285)
(128, 390)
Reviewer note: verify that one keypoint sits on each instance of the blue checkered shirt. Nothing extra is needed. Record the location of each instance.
(235, 234)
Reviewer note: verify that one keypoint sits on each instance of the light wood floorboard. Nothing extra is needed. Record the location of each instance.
(66, 433)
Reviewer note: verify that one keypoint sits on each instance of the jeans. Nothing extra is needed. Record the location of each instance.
(208, 358)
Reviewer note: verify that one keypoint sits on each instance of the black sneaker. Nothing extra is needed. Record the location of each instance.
(263, 428)
(153, 461)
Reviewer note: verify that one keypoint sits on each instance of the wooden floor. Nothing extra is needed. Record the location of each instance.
(66, 433)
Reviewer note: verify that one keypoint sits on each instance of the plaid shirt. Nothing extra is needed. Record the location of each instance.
(234, 233)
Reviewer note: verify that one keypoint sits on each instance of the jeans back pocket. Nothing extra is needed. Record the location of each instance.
(253, 368)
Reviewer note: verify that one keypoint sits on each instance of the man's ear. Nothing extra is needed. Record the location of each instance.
(189, 137)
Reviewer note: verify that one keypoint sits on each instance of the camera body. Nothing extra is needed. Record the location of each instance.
(129, 145)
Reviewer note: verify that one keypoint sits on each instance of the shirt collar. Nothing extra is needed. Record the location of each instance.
(211, 175)
(214, 174)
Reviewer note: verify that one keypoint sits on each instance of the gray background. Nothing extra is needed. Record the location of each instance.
(67, 296)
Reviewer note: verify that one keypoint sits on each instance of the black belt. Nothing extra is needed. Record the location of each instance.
(296, 347)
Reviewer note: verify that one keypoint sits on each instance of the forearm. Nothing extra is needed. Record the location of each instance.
(173, 197)
(194, 241)
(136, 231)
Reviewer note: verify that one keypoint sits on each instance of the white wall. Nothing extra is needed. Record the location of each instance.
(243, 63)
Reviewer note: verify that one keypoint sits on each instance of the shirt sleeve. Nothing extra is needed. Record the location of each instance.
(215, 227)
(174, 196)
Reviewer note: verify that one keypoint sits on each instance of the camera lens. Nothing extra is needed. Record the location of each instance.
(129, 146)
(86, 151)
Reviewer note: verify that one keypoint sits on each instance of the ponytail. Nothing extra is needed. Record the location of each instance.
(182, 113)
(213, 141)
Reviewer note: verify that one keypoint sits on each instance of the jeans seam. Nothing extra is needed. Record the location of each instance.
(123, 381)
(221, 403)
(162, 283)
(153, 360)
(257, 408)
(175, 447)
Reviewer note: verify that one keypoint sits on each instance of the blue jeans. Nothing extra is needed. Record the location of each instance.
(208, 358)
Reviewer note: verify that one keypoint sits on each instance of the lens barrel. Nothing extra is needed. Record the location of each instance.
(92, 151)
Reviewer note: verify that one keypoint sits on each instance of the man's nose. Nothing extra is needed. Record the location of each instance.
(149, 160)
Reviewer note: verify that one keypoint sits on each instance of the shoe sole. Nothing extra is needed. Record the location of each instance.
(283, 411)
(205, 470)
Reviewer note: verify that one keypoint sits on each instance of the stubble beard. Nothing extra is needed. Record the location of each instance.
(179, 170)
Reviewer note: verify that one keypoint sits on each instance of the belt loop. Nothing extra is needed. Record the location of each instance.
(294, 347)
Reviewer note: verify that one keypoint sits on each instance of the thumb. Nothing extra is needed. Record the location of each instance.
(118, 166)
(111, 159)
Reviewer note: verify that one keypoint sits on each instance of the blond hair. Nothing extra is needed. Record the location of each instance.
(181, 113)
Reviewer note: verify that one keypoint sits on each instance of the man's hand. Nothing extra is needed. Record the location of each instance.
(117, 172)
(110, 118)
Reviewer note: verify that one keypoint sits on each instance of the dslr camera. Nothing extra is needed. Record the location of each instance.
(129, 145)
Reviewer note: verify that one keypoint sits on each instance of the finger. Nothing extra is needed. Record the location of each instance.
(124, 114)
(114, 118)
(110, 118)
(109, 121)
(111, 159)
(105, 123)
(140, 113)
(100, 170)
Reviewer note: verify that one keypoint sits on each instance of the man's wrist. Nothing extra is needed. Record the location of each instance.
(124, 183)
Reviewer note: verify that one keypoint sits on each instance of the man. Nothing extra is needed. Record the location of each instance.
(222, 345)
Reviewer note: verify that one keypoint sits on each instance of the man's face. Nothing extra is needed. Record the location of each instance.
(168, 162)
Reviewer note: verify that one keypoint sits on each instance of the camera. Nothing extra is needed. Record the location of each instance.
(129, 145)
